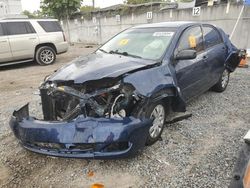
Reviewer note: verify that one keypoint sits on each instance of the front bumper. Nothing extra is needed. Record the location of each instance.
(98, 138)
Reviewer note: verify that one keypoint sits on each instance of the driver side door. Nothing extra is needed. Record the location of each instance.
(191, 73)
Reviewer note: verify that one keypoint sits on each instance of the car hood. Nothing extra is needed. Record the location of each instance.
(97, 66)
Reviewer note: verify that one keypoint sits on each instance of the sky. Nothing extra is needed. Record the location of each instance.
(27, 5)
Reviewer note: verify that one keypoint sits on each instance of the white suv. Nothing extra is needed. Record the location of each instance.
(23, 40)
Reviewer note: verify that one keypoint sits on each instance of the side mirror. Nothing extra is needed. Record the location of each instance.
(186, 54)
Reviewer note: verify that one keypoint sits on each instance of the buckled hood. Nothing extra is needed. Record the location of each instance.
(97, 66)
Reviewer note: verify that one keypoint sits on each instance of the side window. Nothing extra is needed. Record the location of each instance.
(191, 39)
(30, 28)
(211, 36)
(1, 30)
(50, 26)
(19, 28)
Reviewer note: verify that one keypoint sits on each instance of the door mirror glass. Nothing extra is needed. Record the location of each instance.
(186, 54)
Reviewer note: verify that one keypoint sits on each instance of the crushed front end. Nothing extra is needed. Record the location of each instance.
(90, 120)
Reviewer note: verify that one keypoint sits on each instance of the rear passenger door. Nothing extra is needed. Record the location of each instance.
(5, 51)
(23, 39)
(216, 53)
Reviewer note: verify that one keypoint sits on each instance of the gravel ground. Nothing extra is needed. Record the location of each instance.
(197, 152)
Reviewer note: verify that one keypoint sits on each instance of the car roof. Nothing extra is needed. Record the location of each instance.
(166, 24)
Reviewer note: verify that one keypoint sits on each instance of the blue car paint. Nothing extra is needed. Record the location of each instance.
(192, 77)
(196, 76)
(181, 80)
(157, 78)
(99, 131)
(98, 65)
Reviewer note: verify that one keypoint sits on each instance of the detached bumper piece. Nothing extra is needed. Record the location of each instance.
(93, 138)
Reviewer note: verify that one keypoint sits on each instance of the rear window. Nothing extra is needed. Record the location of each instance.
(1, 30)
(19, 28)
(50, 26)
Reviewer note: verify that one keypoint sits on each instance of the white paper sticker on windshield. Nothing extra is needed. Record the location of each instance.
(163, 34)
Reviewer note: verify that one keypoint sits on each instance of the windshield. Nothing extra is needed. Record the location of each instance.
(146, 43)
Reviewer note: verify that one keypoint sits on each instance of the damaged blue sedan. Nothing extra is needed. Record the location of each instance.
(115, 101)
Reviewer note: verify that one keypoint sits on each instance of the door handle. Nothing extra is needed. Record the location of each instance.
(32, 38)
(3, 41)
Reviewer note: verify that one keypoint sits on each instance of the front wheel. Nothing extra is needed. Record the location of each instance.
(221, 85)
(45, 55)
(156, 112)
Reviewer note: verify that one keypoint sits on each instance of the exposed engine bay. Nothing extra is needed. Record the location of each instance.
(66, 101)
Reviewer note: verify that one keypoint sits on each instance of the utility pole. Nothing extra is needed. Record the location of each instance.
(67, 23)
(99, 28)
(93, 3)
(236, 24)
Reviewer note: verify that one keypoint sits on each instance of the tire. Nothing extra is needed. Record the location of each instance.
(45, 55)
(222, 84)
(151, 111)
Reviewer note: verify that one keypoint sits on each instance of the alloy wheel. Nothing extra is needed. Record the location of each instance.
(47, 56)
(225, 79)
(158, 116)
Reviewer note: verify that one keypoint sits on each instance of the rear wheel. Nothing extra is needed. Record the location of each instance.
(221, 85)
(45, 55)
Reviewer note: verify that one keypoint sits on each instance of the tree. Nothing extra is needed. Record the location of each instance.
(87, 8)
(60, 9)
(141, 1)
(29, 14)
(35, 14)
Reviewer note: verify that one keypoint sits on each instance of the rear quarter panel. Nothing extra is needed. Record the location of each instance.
(55, 38)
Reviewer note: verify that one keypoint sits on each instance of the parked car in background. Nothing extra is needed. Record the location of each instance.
(23, 40)
(115, 101)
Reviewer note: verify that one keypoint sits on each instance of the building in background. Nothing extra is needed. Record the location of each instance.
(10, 8)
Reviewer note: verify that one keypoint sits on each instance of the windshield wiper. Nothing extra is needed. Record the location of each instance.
(103, 50)
(124, 54)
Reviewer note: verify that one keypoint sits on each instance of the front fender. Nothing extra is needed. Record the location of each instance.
(151, 81)
(156, 84)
